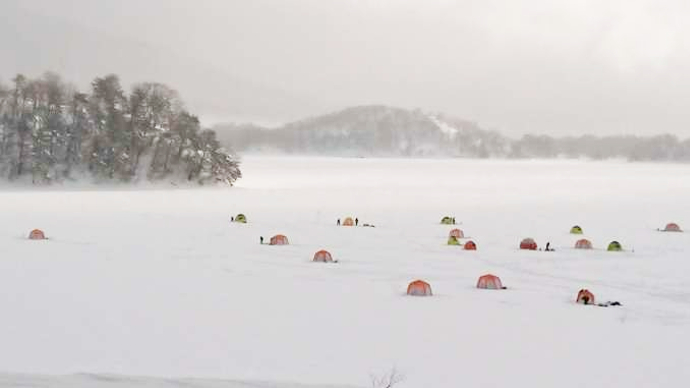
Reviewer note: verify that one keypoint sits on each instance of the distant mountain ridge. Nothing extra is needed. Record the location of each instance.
(378, 130)
(372, 130)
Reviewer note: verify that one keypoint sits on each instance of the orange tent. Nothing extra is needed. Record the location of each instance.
(419, 288)
(470, 246)
(672, 227)
(583, 244)
(323, 256)
(348, 222)
(279, 239)
(529, 244)
(457, 233)
(490, 282)
(37, 234)
(585, 297)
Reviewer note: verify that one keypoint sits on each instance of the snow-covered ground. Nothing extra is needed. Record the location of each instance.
(159, 283)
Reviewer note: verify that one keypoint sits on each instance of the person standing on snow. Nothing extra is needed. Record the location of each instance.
(261, 240)
(338, 222)
(356, 221)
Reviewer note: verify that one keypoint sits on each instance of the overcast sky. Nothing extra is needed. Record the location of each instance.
(541, 66)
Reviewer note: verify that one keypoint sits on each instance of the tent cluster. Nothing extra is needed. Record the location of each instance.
(486, 282)
(454, 237)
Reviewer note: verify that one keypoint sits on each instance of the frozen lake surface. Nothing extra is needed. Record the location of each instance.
(159, 283)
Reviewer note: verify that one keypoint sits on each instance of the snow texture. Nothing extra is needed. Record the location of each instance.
(160, 283)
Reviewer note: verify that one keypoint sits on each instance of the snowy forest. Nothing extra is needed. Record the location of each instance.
(51, 132)
(388, 131)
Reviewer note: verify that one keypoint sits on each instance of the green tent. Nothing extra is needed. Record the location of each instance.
(447, 220)
(452, 240)
(241, 218)
(615, 246)
(575, 230)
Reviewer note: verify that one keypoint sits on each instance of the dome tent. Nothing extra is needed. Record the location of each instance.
(672, 227)
(490, 282)
(453, 241)
(614, 246)
(583, 244)
(323, 256)
(457, 233)
(585, 297)
(447, 220)
(419, 288)
(348, 221)
(279, 239)
(241, 218)
(576, 230)
(528, 244)
(470, 246)
(37, 234)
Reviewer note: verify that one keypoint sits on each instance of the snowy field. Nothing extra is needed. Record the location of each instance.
(158, 283)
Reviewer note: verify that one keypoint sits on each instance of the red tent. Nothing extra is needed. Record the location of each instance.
(529, 244)
(419, 288)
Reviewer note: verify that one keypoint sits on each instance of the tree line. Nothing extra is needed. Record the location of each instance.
(51, 132)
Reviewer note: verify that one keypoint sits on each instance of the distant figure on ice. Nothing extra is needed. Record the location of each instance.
(356, 221)
(548, 247)
(232, 219)
(453, 220)
(338, 223)
(261, 239)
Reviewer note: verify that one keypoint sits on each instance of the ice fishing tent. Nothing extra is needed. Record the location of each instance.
(453, 241)
(615, 246)
(419, 288)
(323, 256)
(37, 234)
(585, 297)
(279, 239)
(490, 282)
(576, 230)
(528, 244)
(672, 227)
(457, 233)
(348, 222)
(470, 246)
(447, 220)
(583, 244)
(241, 218)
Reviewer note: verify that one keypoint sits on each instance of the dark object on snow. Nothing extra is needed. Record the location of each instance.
(548, 247)
(232, 219)
(607, 304)
(369, 225)
(261, 239)
(356, 221)
(338, 222)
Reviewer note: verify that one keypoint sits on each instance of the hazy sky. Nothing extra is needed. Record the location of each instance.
(545, 66)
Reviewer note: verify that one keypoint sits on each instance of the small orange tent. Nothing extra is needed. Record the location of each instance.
(37, 234)
(585, 297)
(279, 239)
(348, 222)
(529, 244)
(419, 288)
(457, 233)
(470, 246)
(583, 244)
(490, 282)
(323, 256)
(672, 227)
